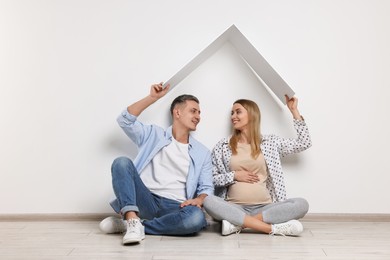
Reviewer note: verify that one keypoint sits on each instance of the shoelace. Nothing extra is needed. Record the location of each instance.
(131, 225)
(282, 230)
(234, 229)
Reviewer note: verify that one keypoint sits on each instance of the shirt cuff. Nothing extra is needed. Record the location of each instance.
(127, 118)
(299, 121)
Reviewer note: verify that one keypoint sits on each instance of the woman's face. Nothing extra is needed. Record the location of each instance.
(239, 117)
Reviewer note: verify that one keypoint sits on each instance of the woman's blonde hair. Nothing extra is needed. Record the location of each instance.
(254, 134)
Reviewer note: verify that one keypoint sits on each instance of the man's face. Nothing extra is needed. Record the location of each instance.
(187, 115)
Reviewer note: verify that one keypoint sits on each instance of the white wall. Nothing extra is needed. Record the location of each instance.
(68, 68)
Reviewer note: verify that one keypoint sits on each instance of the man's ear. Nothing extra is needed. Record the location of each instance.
(176, 113)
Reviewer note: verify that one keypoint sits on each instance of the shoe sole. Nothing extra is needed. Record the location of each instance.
(132, 240)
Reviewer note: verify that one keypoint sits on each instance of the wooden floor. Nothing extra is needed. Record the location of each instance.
(83, 240)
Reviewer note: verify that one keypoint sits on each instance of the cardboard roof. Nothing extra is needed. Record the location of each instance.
(248, 52)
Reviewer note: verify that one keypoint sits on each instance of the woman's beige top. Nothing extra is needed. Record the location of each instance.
(244, 192)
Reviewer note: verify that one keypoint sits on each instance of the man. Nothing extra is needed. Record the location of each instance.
(162, 191)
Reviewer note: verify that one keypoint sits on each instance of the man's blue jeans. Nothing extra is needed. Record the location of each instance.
(161, 216)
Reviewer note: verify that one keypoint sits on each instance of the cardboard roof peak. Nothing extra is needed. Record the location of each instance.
(248, 52)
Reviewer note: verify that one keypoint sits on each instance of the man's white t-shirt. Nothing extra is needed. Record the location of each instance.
(166, 174)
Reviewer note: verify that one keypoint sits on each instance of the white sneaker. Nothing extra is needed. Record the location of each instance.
(135, 231)
(289, 228)
(111, 225)
(228, 228)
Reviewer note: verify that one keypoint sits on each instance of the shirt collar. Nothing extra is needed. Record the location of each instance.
(170, 136)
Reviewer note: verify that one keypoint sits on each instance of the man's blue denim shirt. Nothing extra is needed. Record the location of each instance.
(150, 139)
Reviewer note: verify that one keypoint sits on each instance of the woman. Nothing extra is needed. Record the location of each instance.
(248, 176)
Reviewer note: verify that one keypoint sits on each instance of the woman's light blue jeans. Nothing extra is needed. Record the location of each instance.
(159, 215)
